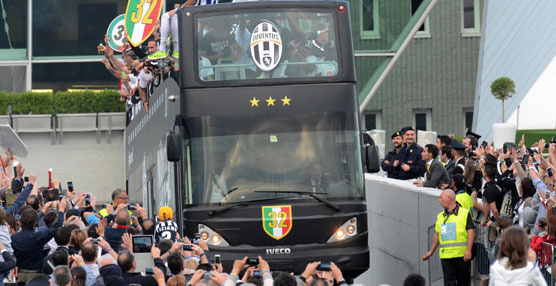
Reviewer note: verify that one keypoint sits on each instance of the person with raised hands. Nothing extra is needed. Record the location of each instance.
(28, 244)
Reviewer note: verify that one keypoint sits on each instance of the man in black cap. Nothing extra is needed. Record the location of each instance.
(458, 153)
(391, 162)
(412, 165)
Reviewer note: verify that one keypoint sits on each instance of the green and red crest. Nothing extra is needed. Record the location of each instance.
(277, 220)
(140, 19)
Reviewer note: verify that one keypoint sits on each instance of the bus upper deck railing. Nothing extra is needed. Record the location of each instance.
(233, 71)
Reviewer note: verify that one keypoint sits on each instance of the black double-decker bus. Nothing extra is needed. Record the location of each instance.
(267, 147)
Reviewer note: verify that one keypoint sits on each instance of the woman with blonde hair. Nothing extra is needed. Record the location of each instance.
(512, 266)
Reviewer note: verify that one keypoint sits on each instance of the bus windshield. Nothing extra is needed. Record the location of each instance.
(266, 45)
(239, 168)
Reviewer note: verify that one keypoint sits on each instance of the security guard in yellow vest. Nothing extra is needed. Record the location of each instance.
(462, 197)
(455, 233)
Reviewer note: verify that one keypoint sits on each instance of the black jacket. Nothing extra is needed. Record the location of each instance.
(8, 264)
(112, 275)
(388, 164)
(28, 245)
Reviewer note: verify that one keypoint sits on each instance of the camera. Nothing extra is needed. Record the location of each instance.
(88, 199)
(257, 274)
(70, 187)
(26, 179)
(60, 196)
(187, 247)
(324, 267)
(131, 207)
(163, 63)
(252, 261)
(95, 240)
(149, 271)
(206, 275)
(217, 259)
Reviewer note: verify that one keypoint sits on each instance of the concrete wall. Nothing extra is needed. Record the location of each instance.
(399, 217)
(96, 168)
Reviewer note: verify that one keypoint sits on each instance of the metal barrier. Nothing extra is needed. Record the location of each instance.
(481, 248)
(545, 261)
(435, 268)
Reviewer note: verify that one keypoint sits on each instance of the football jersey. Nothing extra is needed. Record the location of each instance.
(166, 230)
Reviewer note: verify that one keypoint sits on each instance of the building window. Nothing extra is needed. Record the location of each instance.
(373, 120)
(368, 19)
(468, 119)
(422, 119)
(71, 28)
(13, 30)
(424, 30)
(470, 17)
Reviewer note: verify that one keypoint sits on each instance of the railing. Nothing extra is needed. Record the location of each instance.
(482, 249)
(545, 260)
(57, 124)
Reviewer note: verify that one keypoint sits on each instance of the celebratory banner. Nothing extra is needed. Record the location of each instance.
(116, 33)
(140, 19)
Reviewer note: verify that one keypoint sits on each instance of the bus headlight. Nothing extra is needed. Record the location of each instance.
(211, 237)
(347, 230)
(215, 239)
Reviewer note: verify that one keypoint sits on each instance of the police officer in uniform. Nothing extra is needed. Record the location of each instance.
(458, 153)
(412, 165)
(455, 233)
(391, 162)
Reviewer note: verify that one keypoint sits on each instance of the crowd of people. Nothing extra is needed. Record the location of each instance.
(224, 51)
(53, 235)
(509, 192)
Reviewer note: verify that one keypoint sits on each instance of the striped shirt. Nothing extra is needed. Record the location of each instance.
(166, 230)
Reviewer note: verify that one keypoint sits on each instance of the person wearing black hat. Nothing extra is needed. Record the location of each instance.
(462, 197)
(458, 153)
(412, 165)
(391, 162)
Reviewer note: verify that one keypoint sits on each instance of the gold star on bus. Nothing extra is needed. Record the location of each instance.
(254, 102)
(286, 100)
(270, 101)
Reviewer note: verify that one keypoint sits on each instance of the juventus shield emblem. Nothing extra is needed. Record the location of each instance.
(266, 46)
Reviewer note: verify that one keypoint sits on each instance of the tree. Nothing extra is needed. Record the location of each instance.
(503, 88)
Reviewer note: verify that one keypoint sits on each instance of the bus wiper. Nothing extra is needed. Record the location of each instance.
(231, 190)
(243, 203)
(312, 195)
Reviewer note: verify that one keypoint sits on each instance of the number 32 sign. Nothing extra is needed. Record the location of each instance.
(116, 33)
(140, 19)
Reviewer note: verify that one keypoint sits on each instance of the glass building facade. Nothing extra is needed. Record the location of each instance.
(52, 44)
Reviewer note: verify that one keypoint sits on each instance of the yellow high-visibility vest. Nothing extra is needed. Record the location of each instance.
(452, 234)
(464, 200)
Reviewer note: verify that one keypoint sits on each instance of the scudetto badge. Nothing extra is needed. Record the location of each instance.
(266, 46)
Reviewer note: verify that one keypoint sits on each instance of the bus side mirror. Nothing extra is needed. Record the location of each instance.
(372, 159)
(173, 147)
